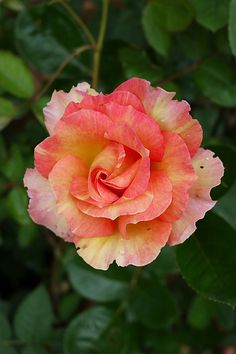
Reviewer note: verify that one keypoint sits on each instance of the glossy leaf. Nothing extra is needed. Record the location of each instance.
(95, 285)
(5, 336)
(173, 15)
(212, 14)
(15, 77)
(207, 260)
(17, 202)
(227, 154)
(7, 111)
(13, 166)
(33, 319)
(232, 26)
(201, 312)
(85, 330)
(157, 37)
(40, 40)
(37, 108)
(225, 208)
(68, 305)
(159, 310)
(217, 82)
(137, 64)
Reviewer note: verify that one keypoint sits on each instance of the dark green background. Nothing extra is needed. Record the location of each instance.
(50, 300)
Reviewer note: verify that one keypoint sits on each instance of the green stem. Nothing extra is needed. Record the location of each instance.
(79, 20)
(97, 54)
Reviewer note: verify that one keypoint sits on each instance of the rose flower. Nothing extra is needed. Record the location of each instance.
(121, 175)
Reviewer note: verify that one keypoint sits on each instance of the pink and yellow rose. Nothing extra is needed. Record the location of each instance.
(121, 175)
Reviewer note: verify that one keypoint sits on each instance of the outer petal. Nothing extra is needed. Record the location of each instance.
(209, 170)
(97, 103)
(170, 114)
(60, 99)
(80, 134)
(144, 126)
(81, 225)
(176, 163)
(161, 188)
(141, 247)
(42, 205)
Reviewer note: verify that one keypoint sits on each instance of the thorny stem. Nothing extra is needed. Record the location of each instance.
(97, 54)
(79, 20)
(54, 76)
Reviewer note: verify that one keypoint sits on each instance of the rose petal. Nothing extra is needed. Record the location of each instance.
(209, 170)
(60, 99)
(122, 133)
(143, 244)
(170, 114)
(42, 205)
(109, 158)
(144, 126)
(177, 165)
(80, 134)
(161, 188)
(60, 178)
(97, 102)
(124, 206)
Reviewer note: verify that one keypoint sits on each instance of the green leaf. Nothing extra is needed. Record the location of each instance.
(212, 14)
(5, 335)
(165, 263)
(137, 64)
(173, 15)
(226, 207)
(7, 112)
(15, 77)
(156, 36)
(37, 108)
(207, 260)
(68, 305)
(46, 35)
(85, 330)
(5, 332)
(17, 202)
(13, 168)
(14, 5)
(151, 304)
(119, 338)
(227, 154)
(26, 234)
(201, 312)
(3, 150)
(226, 317)
(95, 285)
(217, 82)
(194, 42)
(7, 350)
(33, 319)
(232, 26)
(207, 116)
(123, 25)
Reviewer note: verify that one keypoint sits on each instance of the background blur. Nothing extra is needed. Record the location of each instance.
(50, 300)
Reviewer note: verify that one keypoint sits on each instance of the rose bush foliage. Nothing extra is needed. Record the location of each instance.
(121, 175)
